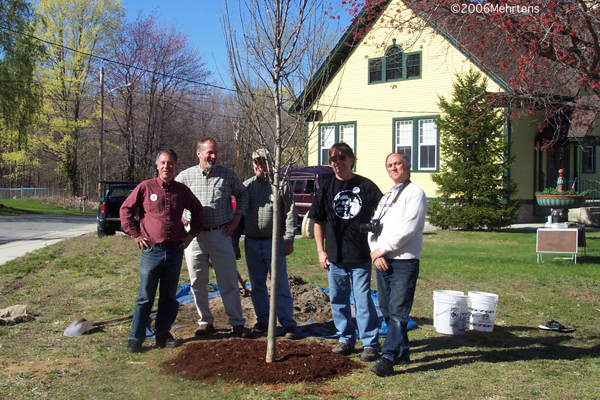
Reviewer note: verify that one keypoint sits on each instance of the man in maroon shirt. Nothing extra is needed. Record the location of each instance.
(161, 236)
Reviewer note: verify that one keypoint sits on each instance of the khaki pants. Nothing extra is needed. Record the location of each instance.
(217, 247)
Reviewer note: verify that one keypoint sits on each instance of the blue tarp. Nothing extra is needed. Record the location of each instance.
(305, 328)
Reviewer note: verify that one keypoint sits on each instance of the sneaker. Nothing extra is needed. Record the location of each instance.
(383, 367)
(343, 348)
(241, 331)
(290, 332)
(204, 329)
(405, 360)
(369, 354)
(167, 340)
(134, 346)
(260, 328)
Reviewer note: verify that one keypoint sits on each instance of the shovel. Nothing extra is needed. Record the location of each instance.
(82, 325)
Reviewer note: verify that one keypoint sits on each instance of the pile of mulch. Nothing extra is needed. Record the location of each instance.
(243, 360)
(222, 356)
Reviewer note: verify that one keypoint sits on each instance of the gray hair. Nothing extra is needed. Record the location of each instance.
(170, 152)
(200, 143)
(405, 158)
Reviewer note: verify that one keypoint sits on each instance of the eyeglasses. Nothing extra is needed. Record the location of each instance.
(341, 157)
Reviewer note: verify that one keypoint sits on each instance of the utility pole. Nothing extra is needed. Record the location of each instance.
(101, 155)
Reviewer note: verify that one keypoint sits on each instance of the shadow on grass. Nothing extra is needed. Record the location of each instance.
(4, 210)
(501, 345)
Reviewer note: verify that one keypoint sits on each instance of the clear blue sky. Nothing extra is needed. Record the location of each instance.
(200, 20)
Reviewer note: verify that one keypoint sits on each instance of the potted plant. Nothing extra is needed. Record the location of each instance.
(565, 199)
(559, 198)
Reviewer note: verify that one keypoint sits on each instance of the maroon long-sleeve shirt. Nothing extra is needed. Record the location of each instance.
(160, 207)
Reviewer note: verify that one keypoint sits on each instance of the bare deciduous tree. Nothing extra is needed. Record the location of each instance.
(163, 82)
(270, 58)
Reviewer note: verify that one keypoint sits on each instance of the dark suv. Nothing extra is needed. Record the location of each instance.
(305, 182)
(108, 209)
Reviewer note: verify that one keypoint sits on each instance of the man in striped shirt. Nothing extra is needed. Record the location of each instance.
(214, 185)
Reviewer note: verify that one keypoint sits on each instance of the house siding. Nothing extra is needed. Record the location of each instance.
(523, 131)
(375, 106)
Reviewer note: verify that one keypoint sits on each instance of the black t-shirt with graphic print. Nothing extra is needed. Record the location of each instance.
(343, 206)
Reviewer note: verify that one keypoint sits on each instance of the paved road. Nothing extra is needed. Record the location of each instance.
(21, 234)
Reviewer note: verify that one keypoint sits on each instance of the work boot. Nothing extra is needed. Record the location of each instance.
(343, 348)
(369, 354)
(134, 346)
(290, 332)
(241, 331)
(167, 340)
(260, 328)
(383, 367)
(204, 330)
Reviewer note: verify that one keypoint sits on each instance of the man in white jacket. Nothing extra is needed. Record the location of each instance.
(395, 246)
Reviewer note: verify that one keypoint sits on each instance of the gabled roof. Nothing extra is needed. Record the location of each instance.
(336, 58)
(498, 62)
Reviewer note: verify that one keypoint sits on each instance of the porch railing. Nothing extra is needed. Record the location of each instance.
(592, 187)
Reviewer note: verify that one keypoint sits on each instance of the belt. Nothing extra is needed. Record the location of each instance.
(166, 245)
(214, 228)
(259, 238)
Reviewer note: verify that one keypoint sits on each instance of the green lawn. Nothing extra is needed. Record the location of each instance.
(30, 206)
(88, 276)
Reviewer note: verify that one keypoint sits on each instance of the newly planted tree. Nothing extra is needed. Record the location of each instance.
(269, 60)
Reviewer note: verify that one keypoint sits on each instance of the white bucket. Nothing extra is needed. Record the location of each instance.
(450, 312)
(482, 311)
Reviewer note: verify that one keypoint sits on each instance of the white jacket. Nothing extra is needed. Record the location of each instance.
(403, 223)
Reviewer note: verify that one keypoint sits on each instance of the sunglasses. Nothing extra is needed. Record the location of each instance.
(341, 157)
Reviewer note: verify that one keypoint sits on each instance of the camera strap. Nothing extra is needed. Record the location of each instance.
(404, 185)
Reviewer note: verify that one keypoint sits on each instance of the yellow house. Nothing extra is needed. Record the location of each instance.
(379, 93)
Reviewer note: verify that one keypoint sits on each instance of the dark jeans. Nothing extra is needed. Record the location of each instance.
(157, 266)
(396, 292)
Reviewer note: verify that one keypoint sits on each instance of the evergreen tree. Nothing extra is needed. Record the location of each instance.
(474, 187)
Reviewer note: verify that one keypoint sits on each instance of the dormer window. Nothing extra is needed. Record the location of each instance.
(395, 66)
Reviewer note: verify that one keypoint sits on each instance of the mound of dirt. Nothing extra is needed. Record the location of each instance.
(310, 302)
(221, 356)
(243, 360)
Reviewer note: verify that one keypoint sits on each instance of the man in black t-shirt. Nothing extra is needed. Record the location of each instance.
(339, 207)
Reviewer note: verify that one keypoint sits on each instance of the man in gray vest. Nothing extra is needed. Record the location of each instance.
(257, 226)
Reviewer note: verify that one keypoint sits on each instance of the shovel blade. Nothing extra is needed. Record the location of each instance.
(78, 327)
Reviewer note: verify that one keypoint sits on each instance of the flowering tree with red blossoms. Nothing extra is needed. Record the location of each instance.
(546, 51)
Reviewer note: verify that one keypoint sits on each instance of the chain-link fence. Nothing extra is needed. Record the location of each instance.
(18, 193)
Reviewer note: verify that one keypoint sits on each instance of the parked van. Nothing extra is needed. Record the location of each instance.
(305, 181)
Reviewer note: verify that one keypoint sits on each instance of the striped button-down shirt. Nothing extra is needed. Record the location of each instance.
(214, 190)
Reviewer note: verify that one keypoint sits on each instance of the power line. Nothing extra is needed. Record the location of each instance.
(108, 60)
(190, 80)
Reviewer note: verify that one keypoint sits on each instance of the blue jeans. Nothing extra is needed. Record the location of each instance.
(258, 259)
(396, 291)
(157, 266)
(342, 279)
